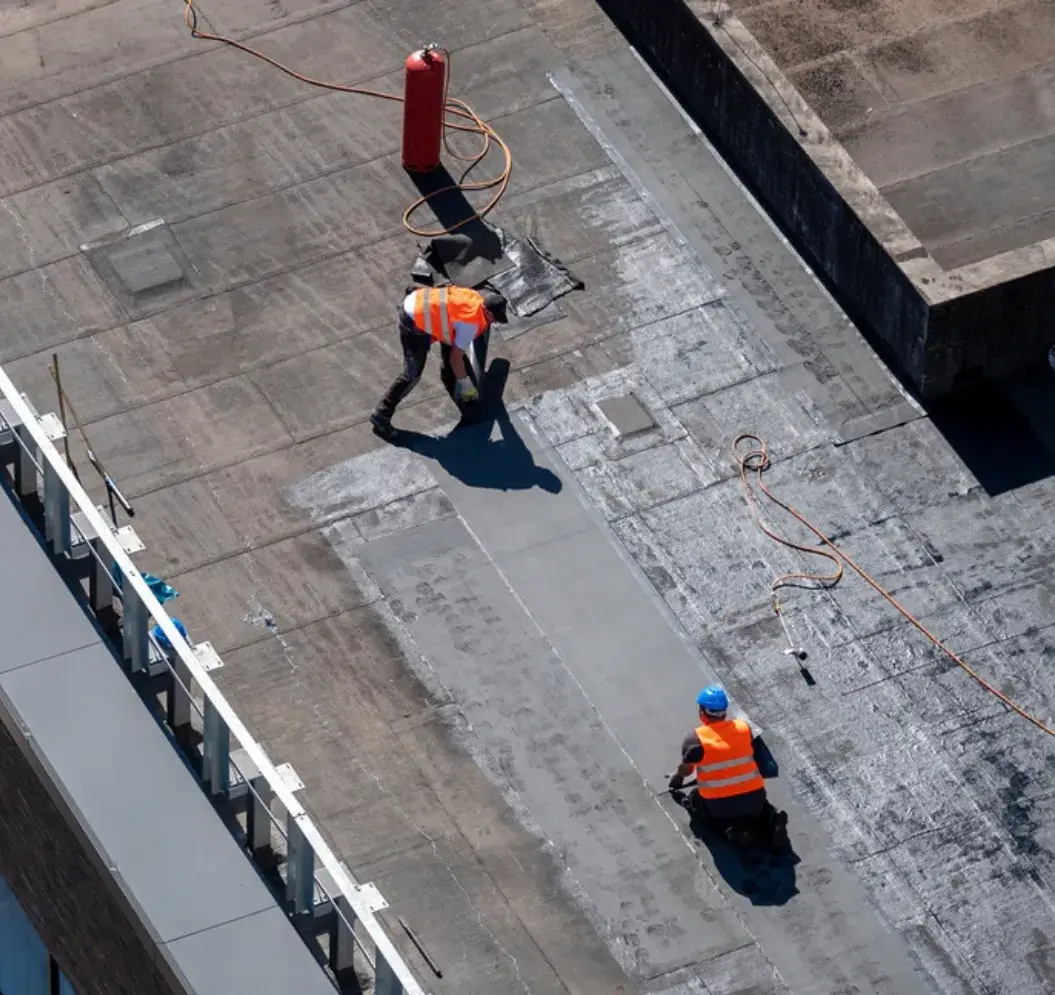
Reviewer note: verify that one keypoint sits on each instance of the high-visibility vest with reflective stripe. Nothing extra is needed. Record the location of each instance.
(728, 766)
(436, 311)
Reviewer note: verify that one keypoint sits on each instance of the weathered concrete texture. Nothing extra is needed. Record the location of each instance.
(382, 628)
(951, 122)
(532, 623)
(883, 135)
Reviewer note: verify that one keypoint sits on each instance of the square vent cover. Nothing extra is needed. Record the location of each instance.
(143, 266)
(626, 414)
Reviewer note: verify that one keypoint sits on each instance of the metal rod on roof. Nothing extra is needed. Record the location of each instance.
(421, 950)
(62, 412)
(112, 490)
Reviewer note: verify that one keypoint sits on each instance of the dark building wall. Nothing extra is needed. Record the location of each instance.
(58, 885)
(999, 329)
(993, 330)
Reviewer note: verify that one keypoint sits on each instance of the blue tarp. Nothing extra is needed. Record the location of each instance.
(162, 591)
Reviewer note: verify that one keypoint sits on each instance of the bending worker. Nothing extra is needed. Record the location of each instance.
(457, 318)
(729, 786)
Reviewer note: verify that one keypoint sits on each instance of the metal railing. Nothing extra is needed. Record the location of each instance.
(321, 896)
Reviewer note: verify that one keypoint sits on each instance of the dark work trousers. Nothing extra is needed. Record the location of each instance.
(732, 809)
(416, 346)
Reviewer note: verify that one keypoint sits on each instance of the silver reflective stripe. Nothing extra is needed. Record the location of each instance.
(426, 308)
(724, 764)
(445, 318)
(726, 782)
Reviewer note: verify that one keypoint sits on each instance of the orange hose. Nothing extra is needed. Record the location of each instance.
(757, 461)
(452, 106)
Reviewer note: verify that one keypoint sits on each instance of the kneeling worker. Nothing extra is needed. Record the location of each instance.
(456, 317)
(729, 787)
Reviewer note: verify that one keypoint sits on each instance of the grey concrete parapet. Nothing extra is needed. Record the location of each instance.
(940, 328)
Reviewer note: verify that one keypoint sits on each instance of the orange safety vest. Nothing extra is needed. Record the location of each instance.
(435, 311)
(728, 766)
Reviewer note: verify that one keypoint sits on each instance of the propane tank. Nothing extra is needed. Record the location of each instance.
(424, 89)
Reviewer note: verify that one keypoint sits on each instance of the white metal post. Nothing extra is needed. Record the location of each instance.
(56, 511)
(342, 941)
(258, 821)
(179, 703)
(216, 752)
(25, 468)
(134, 627)
(100, 586)
(300, 869)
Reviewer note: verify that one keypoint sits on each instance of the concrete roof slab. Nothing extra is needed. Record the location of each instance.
(683, 362)
(147, 452)
(411, 21)
(913, 466)
(640, 481)
(55, 219)
(982, 551)
(897, 559)
(89, 47)
(418, 881)
(762, 406)
(607, 211)
(330, 388)
(304, 578)
(972, 857)
(499, 652)
(79, 305)
(914, 140)
(934, 106)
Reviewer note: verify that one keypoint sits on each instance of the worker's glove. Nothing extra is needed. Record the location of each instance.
(465, 390)
(676, 782)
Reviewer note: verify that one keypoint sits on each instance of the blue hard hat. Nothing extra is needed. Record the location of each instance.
(162, 639)
(713, 699)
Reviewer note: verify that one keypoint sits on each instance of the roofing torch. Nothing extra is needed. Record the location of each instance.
(794, 650)
(112, 490)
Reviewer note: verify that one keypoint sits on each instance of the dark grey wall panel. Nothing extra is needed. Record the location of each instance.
(259, 954)
(172, 857)
(29, 591)
(62, 889)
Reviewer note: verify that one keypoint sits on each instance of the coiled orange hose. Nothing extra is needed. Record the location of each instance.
(452, 106)
(756, 460)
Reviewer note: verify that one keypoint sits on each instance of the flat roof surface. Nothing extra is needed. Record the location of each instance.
(480, 653)
(194, 897)
(948, 107)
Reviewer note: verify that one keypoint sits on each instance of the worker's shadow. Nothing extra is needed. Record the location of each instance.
(761, 875)
(470, 454)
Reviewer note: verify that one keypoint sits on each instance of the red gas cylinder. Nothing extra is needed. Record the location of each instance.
(423, 93)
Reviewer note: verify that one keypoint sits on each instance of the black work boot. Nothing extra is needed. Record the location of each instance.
(779, 838)
(382, 424)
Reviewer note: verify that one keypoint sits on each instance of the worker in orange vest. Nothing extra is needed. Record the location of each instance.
(457, 318)
(730, 791)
